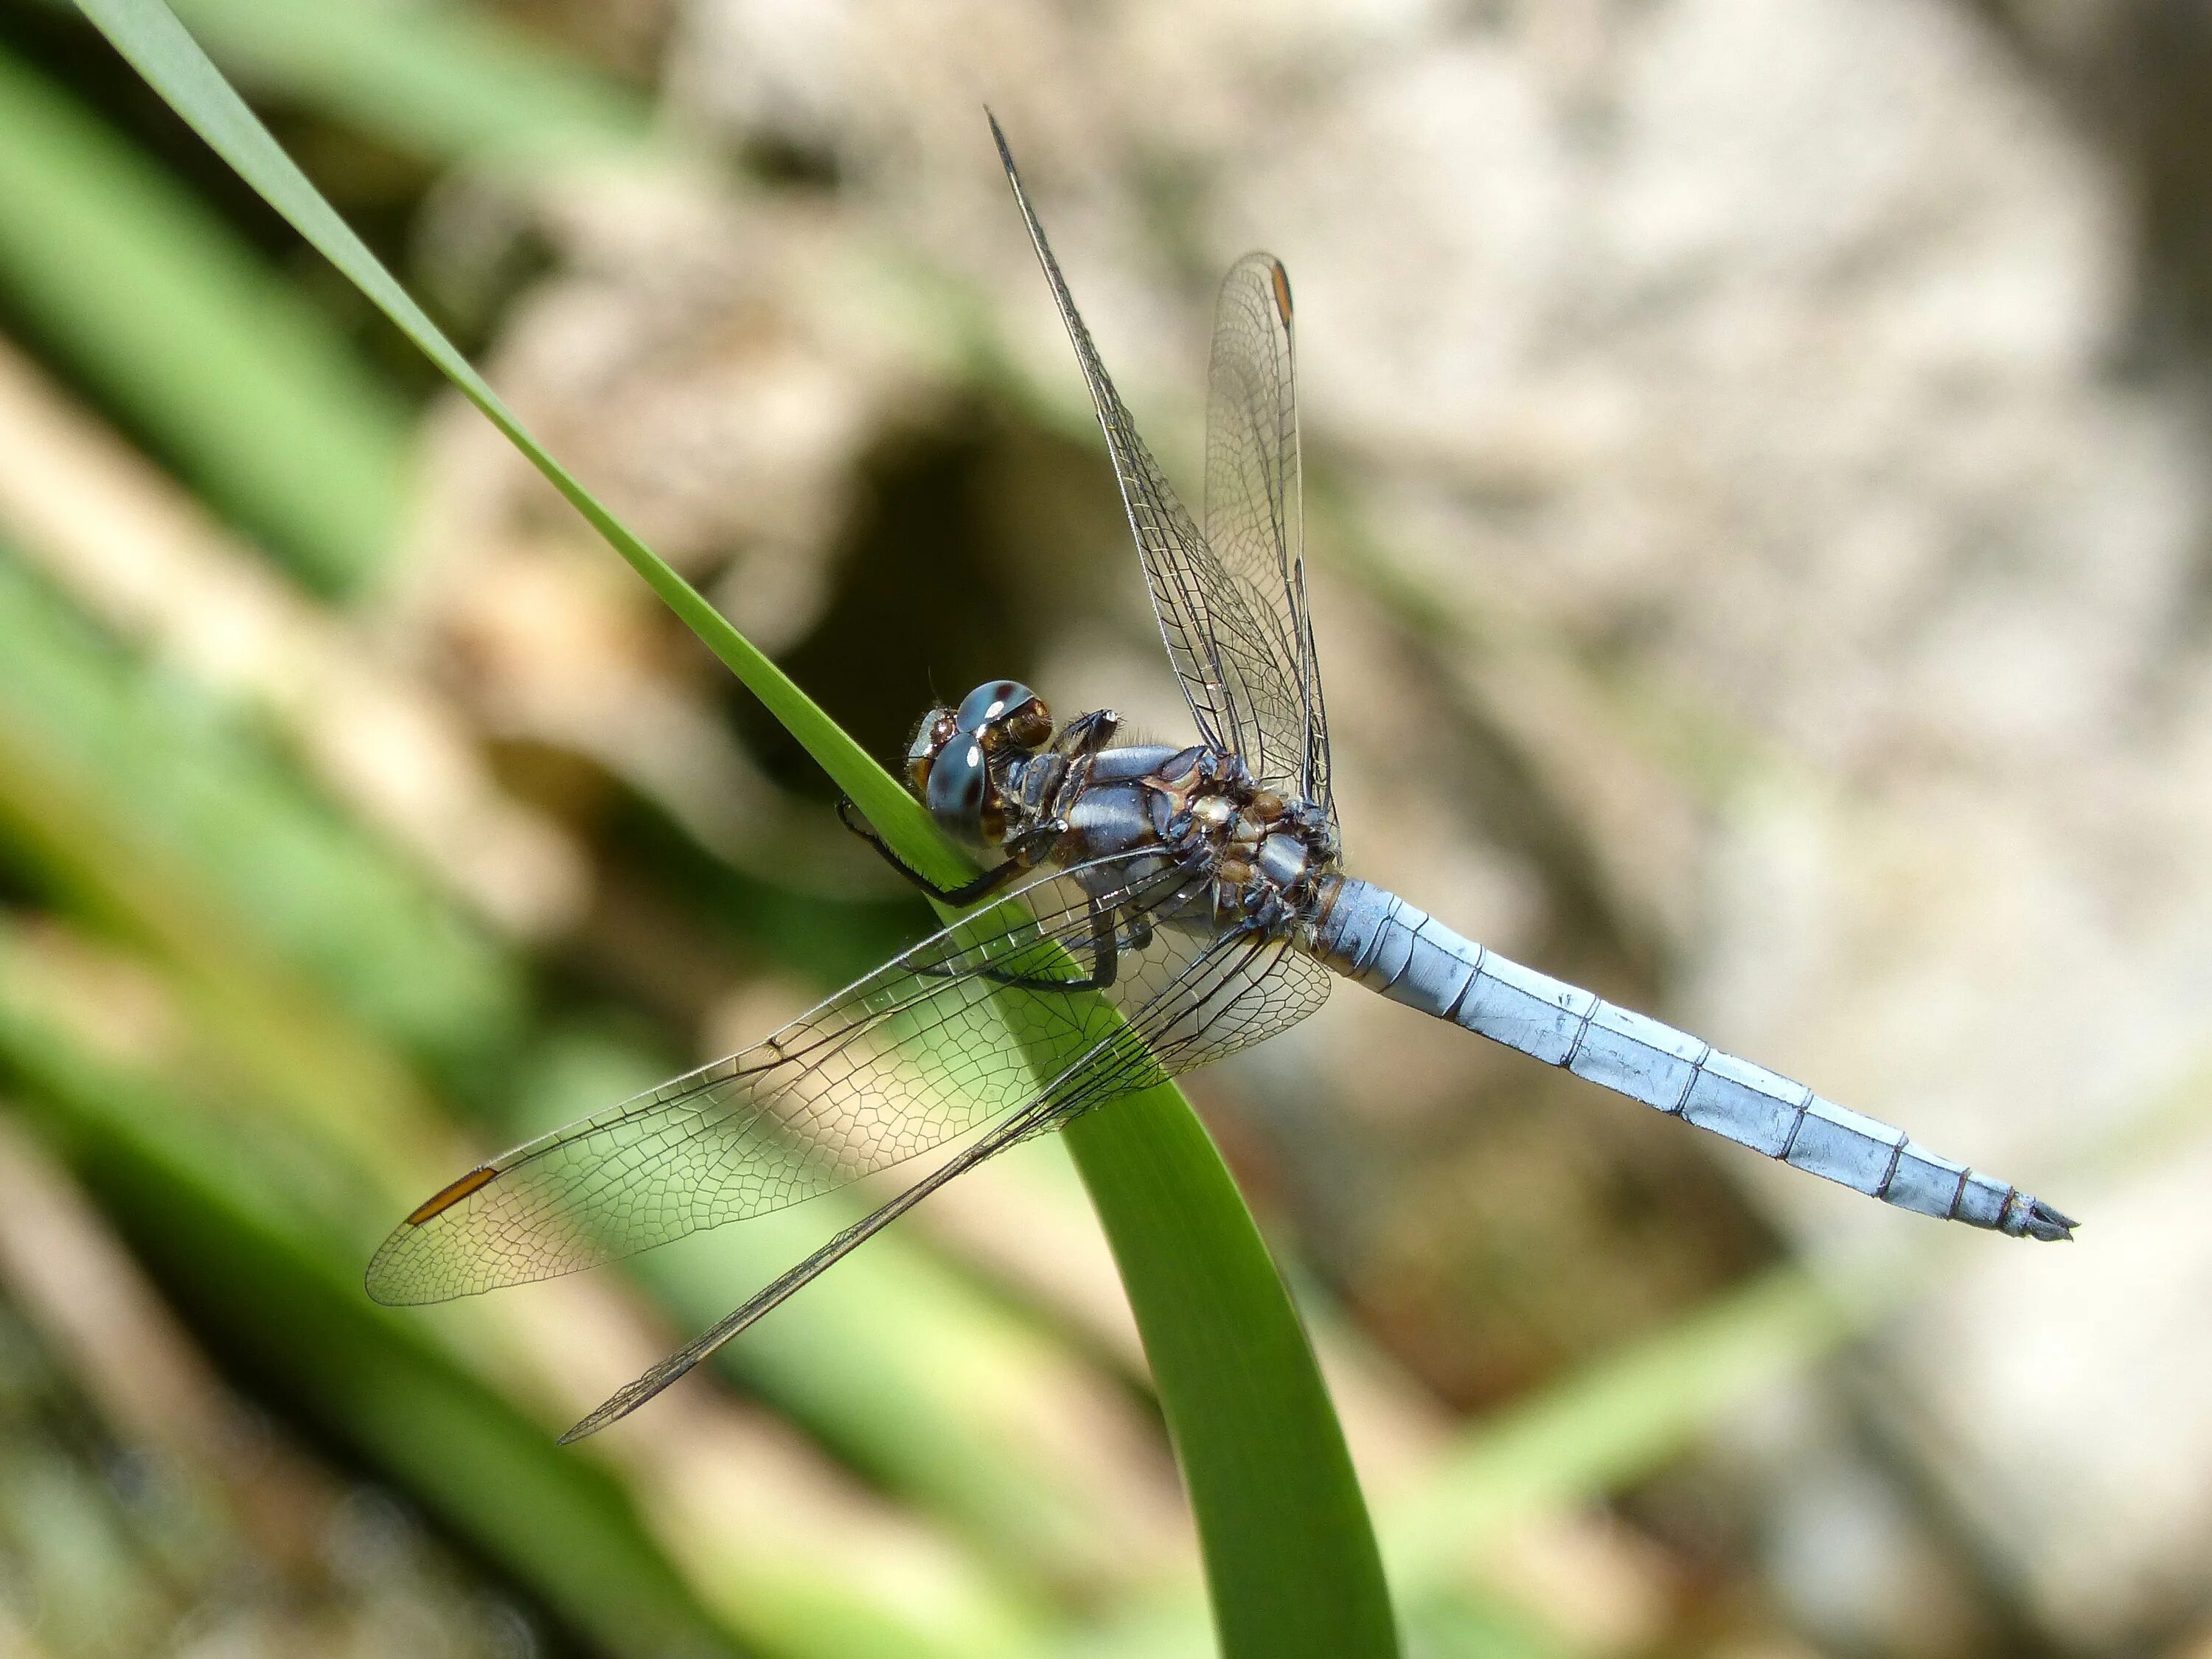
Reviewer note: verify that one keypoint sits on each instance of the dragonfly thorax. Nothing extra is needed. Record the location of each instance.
(1268, 857)
(994, 774)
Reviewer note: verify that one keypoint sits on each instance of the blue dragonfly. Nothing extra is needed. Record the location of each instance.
(1148, 908)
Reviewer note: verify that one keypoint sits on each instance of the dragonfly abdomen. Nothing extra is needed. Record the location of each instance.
(1372, 935)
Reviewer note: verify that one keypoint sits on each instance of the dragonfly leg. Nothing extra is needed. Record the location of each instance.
(1105, 950)
(1106, 945)
(1021, 853)
(1088, 734)
(1105, 961)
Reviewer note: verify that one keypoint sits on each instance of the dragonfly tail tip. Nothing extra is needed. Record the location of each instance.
(2044, 1222)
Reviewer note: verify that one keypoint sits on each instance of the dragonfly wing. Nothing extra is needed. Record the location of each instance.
(1238, 685)
(1207, 999)
(1254, 519)
(934, 1044)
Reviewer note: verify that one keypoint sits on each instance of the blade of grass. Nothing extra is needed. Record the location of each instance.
(1625, 1418)
(185, 776)
(125, 804)
(440, 79)
(214, 356)
(287, 1304)
(1291, 1556)
(319, 1135)
(1291, 1565)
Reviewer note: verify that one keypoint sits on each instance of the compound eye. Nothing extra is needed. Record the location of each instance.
(959, 788)
(988, 703)
(1003, 712)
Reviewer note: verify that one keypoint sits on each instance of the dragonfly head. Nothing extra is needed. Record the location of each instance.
(950, 764)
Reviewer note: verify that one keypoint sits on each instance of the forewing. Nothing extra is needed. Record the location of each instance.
(1236, 685)
(1202, 998)
(1254, 521)
(936, 1043)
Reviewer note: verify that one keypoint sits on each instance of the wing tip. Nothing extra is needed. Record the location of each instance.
(584, 1430)
(385, 1287)
(387, 1279)
(627, 1398)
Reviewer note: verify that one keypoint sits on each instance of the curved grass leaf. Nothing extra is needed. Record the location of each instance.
(313, 1122)
(180, 773)
(1291, 1557)
(440, 79)
(214, 356)
(286, 1307)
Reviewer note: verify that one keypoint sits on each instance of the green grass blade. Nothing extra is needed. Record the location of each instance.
(1291, 1556)
(150, 35)
(183, 775)
(286, 1304)
(218, 358)
(1625, 1418)
(1291, 1564)
(441, 80)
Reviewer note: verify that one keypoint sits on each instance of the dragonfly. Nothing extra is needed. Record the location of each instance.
(1149, 907)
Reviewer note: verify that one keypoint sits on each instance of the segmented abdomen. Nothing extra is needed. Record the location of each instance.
(1373, 936)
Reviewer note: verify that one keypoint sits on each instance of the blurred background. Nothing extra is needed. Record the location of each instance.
(1758, 496)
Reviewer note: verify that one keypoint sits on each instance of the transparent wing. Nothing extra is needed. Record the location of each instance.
(1208, 997)
(1243, 693)
(1253, 522)
(933, 1045)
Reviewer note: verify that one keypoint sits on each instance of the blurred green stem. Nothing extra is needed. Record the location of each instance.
(443, 79)
(1291, 1556)
(217, 357)
(269, 1273)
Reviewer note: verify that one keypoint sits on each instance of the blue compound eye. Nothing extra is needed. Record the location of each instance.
(1003, 712)
(959, 788)
(984, 705)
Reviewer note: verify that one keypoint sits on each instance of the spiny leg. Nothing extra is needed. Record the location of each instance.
(1022, 855)
(1105, 959)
